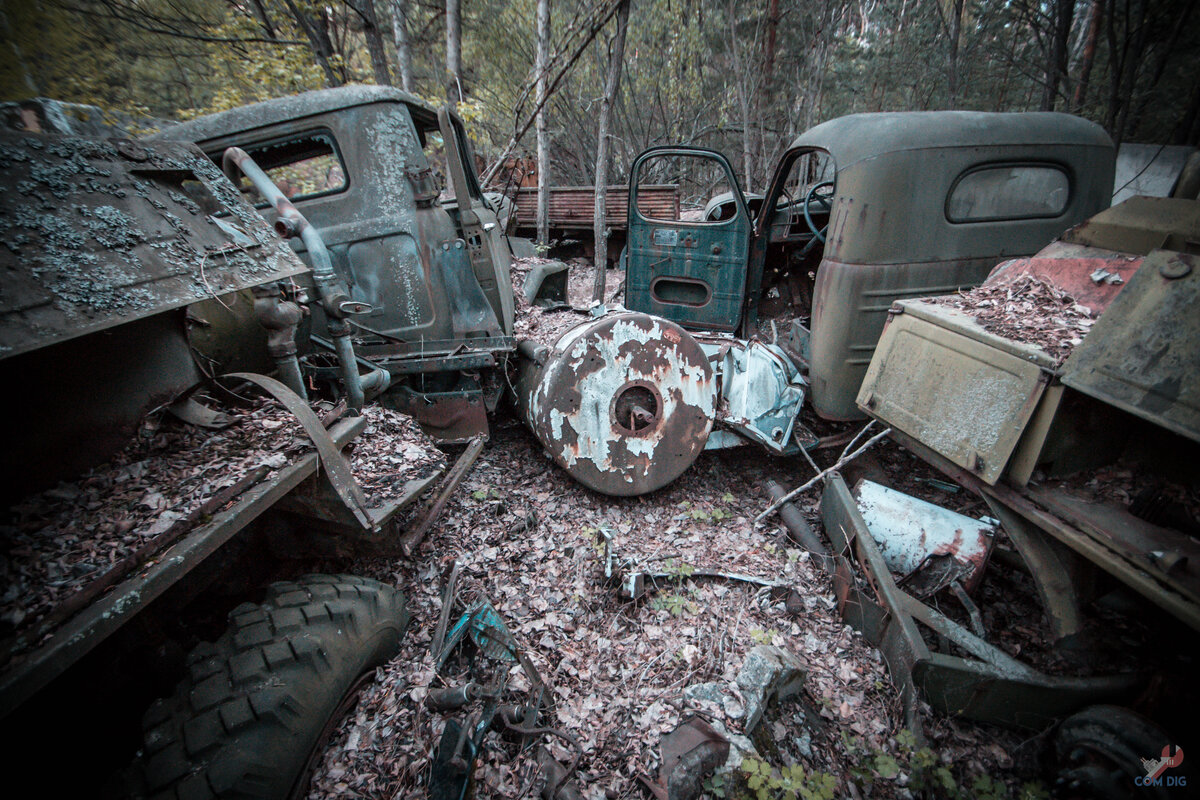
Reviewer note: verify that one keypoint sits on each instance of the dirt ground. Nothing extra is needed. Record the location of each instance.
(531, 541)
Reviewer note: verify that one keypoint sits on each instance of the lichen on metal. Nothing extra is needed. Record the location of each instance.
(99, 233)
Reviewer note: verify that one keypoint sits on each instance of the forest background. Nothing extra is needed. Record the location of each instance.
(741, 77)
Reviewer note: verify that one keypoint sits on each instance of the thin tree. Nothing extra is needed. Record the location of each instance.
(453, 52)
(951, 16)
(1089, 55)
(1063, 12)
(612, 84)
(373, 38)
(403, 49)
(543, 145)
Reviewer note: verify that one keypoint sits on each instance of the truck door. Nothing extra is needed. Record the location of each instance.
(490, 256)
(681, 266)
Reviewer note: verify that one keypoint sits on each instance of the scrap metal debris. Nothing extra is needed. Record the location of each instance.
(930, 547)
(1026, 309)
(527, 538)
(539, 324)
(56, 542)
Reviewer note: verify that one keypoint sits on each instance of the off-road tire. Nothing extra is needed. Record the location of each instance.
(256, 702)
(1099, 751)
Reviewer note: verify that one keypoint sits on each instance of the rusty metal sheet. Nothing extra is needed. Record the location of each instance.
(1142, 354)
(98, 233)
(452, 417)
(624, 404)
(929, 545)
(1139, 225)
(574, 207)
(987, 684)
(965, 393)
(1058, 266)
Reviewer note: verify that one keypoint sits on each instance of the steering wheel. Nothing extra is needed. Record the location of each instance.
(824, 200)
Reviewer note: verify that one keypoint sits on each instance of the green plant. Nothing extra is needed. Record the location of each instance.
(759, 636)
(676, 605)
(765, 782)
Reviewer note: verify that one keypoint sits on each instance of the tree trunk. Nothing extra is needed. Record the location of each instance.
(741, 78)
(616, 60)
(18, 56)
(1165, 51)
(403, 50)
(543, 145)
(1089, 55)
(317, 32)
(379, 66)
(260, 11)
(453, 52)
(1056, 59)
(956, 9)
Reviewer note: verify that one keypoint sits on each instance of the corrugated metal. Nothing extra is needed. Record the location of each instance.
(573, 207)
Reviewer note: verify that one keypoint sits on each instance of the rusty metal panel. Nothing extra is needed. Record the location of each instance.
(1139, 225)
(986, 684)
(574, 207)
(963, 392)
(99, 233)
(624, 404)
(1091, 277)
(1142, 354)
(929, 545)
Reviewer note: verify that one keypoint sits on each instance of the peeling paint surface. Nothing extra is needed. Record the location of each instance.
(625, 403)
(95, 233)
(914, 536)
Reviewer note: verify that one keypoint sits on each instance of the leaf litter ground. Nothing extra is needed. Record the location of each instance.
(528, 539)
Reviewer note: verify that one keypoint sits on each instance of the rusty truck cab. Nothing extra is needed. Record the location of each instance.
(390, 184)
(862, 210)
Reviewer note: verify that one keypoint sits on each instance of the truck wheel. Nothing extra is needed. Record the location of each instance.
(1100, 752)
(258, 702)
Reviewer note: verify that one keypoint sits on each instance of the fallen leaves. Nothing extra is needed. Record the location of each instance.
(1026, 309)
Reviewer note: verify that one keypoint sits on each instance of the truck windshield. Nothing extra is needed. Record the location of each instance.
(302, 166)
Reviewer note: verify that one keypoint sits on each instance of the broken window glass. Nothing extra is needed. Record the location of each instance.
(303, 166)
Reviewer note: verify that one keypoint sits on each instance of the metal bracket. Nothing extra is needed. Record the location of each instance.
(336, 468)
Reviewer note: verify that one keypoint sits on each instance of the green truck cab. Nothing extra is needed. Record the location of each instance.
(390, 184)
(862, 210)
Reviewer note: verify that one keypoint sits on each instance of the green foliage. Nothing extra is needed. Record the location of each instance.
(675, 604)
(759, 636)
(765, 782)
(923, 773)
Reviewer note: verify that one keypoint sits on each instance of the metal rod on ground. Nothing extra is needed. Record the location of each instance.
(841, 462)
(412, 539)
(797, 525)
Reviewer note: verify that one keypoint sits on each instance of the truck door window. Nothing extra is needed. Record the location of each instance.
(1009, 191)
(699, 179)
(809, 180)
(302, 166)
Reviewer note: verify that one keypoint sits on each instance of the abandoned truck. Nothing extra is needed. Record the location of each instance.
(861, 211)
(141, 509)
(390, 185)
(1064, 391)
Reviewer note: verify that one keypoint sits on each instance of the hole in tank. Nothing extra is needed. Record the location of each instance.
(636, 408)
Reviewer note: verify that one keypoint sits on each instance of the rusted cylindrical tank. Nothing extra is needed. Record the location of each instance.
(624, 403)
